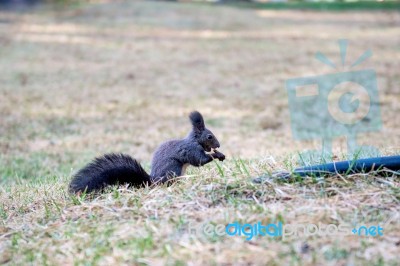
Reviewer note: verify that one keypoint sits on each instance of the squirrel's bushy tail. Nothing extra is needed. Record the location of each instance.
(109, 169)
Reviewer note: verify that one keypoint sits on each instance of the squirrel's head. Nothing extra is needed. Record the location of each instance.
(203, 136)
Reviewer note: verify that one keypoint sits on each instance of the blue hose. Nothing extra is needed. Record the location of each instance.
(353, 166)
(344, 167)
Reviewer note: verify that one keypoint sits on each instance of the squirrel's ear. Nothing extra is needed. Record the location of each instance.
(197, 120)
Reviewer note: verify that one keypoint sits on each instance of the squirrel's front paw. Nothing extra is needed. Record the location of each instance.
(218, 155)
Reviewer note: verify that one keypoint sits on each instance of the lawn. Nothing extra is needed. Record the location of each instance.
(123, 76)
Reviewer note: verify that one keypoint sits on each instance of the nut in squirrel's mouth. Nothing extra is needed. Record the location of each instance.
(208, 152)
(211, 151)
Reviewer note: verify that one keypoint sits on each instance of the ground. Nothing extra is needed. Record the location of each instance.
(123, 76)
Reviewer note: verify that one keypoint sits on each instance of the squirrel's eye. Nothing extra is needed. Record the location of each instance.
(209, 136)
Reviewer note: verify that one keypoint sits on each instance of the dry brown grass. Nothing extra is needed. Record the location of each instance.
(123, 76)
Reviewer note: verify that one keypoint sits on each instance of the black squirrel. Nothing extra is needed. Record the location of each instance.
(169, 160)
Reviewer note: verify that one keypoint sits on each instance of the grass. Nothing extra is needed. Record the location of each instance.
(122, 77)
(42, 224)
(325, 5)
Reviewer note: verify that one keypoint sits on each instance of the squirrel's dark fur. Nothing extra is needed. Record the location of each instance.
(169, 160)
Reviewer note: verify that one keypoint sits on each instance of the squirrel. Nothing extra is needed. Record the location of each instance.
(169, 160)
